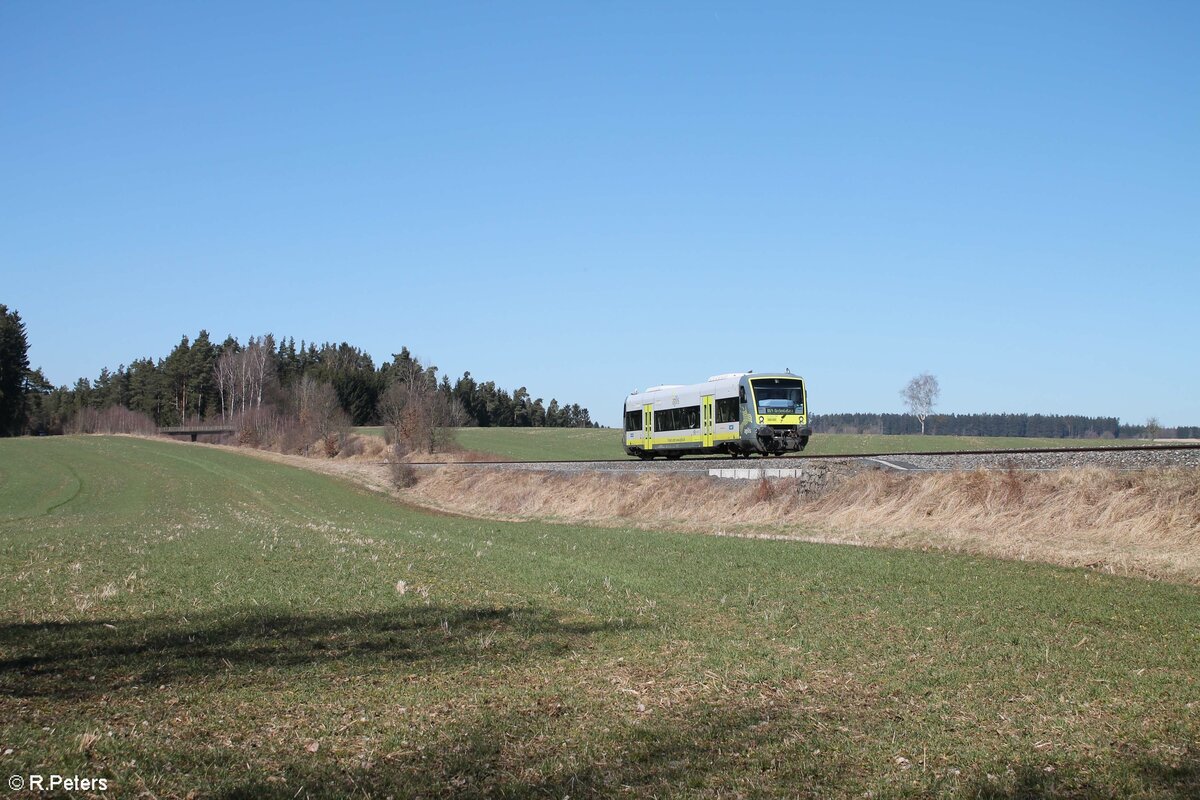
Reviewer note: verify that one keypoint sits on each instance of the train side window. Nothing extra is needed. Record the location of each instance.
(727, 410)
(633, 420)
(742, 394)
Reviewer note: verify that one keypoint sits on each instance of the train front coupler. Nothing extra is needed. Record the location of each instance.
(782, 440)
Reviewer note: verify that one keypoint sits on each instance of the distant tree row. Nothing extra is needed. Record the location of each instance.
(1151, 430)
(201, 380)
(1047, 426)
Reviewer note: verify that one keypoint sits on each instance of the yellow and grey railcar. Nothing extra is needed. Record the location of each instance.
(739, 414)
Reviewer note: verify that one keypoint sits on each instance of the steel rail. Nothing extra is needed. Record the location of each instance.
(818, 456)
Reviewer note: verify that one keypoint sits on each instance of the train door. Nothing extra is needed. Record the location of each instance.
(706, 420)
(648, 426)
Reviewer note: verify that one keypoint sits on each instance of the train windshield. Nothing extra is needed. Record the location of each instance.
(778, 395)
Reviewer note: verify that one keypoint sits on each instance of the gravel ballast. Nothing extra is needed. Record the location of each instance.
(1134, 459)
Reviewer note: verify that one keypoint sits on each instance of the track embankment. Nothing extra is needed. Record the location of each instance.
(1144, 523)
(1137, 514)
(1120, 458)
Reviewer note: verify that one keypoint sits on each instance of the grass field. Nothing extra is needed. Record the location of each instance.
(537, 444)
(183, 619)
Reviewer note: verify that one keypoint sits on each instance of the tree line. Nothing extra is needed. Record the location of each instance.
(276, 390)
(1044, 426)
(200, 380)
(1154, 431)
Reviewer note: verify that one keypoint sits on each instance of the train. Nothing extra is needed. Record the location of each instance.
(738, 414)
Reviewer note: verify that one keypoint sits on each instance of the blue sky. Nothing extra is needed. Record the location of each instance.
(588, 198)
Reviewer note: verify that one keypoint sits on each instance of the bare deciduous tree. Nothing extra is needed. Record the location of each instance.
(920, 395)
(242, 376)
(1153, 429)
(318, 416)
(420, 416)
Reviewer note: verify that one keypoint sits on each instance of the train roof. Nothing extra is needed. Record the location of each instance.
(725, 382)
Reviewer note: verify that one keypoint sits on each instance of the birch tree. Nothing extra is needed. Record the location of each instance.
(920, 395)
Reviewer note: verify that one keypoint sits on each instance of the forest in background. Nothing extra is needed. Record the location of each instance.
(277, 393)
(200, 381)
(1043, 426)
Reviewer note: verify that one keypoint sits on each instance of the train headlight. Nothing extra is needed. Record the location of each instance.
(761, 420)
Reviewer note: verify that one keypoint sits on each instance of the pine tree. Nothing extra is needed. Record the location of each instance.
(14, 372)
(202, 363)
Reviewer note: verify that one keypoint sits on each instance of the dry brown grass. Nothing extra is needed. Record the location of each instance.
(1138, 523)
(1143, 523)
(455, 457)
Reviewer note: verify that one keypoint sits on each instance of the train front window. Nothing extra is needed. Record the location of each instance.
(778, 395)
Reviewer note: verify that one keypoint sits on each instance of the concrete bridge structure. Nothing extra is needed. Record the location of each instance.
(195, 430)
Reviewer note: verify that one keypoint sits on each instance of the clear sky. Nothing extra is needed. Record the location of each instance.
(586, 198)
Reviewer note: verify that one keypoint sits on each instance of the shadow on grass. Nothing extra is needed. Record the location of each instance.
(699, 750)
(81, 659)
(1135, 776)
(704, 752)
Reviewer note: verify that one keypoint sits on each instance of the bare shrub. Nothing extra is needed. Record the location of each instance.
(371, 447)
(292, 439)
(351, 445)
(332, 444)
(114, 419)
(764, 491)
(420, 416)
(260, 426)
(404, 475)
(313, 416)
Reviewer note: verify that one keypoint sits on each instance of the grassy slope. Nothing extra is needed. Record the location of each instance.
(535, 444)
(234, 626)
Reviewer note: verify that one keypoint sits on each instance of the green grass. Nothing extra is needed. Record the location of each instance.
(178, 618)
(544, 444)
(564, 444)
(370, 430)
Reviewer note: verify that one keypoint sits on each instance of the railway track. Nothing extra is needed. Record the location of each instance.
(1116, 457)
